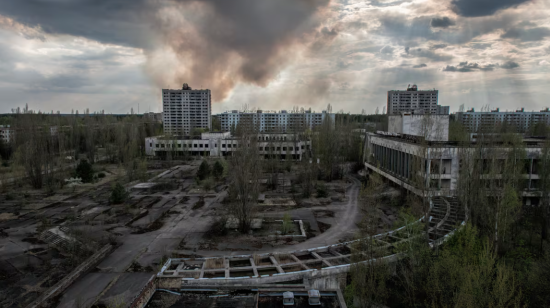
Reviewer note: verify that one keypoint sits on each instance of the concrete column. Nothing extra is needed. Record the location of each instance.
(530, 173)
(440, 171)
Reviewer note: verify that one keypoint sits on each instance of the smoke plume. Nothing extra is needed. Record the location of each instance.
(217, 44)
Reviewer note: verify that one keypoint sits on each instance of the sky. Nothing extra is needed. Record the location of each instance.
(114, 55)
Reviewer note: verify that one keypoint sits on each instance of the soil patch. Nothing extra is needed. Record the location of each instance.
(323, 226)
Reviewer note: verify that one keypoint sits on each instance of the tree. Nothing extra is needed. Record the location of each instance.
(217, 170)
(85, 171)
(245, 168)
(118, 194)
(204, 170)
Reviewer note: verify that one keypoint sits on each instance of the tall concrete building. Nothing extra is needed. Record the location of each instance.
(186, 109)
(414, 101)
(271, 121)
(485, 121)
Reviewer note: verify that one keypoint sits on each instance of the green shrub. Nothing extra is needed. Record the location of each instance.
(217, 170)
(118, 194)
(204, 170)
(85, 171)
(287, 223)
(322, 191)
(207, 184)
(100, 175)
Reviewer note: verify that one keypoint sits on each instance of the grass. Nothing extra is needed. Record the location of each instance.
(283, 258)
(214, 263)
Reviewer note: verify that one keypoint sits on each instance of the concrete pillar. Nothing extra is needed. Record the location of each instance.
(530, 173)
(440, 171)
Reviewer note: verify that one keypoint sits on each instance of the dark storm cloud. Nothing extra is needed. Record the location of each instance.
(444, 22)
(403, 30)
(420, 65)
(465, 67)
(426, 53)
(475, 8)
(438, 46)
(119, 22)
(217, 42)
(527, 34)
(509, 65)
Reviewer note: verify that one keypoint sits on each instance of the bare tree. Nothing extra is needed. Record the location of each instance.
(244, 175)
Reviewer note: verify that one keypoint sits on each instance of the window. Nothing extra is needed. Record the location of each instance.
(179, 145)
(201, 145)
(195, 145)
(223, 145)
(206, 145)
(156, 145)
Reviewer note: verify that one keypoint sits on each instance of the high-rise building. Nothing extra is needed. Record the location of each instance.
(271, 121)
(185, 110)
(414, 101)
(485, 121)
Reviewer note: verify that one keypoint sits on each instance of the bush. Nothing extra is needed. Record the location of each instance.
(204, 170)
(287, 223)
(100, 175)
(118, 194)
(322, 191)
(218, 228)
(207, 184)
(85, 171)
(9, 197)
(5, 163)
(217, 170)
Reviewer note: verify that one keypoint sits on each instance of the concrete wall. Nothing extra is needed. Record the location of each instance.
(429, 126)
(145, 295)
(395, 124)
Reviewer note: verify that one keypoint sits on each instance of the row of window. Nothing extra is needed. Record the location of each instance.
(195, 145)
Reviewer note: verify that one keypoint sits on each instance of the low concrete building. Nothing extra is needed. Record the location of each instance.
(281, 146)
(398, 158)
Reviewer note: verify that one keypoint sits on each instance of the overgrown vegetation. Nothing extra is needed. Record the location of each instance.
(118, 194)
(85, 171)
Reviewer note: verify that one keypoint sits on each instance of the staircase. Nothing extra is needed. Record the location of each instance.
(444, 217)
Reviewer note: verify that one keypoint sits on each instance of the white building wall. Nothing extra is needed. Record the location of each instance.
(274, 121)
(429, 126)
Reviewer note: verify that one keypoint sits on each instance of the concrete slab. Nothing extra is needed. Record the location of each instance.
(86, 291)
(127, 286)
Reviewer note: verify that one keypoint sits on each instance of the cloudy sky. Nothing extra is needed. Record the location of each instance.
(273, 54)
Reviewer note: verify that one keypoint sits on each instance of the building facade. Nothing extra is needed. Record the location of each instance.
(185, 110)
(486, 121)
(153, 116)
(280, 146)
(414, 101)
(399, 159)
(6, 133)
(271, 121)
